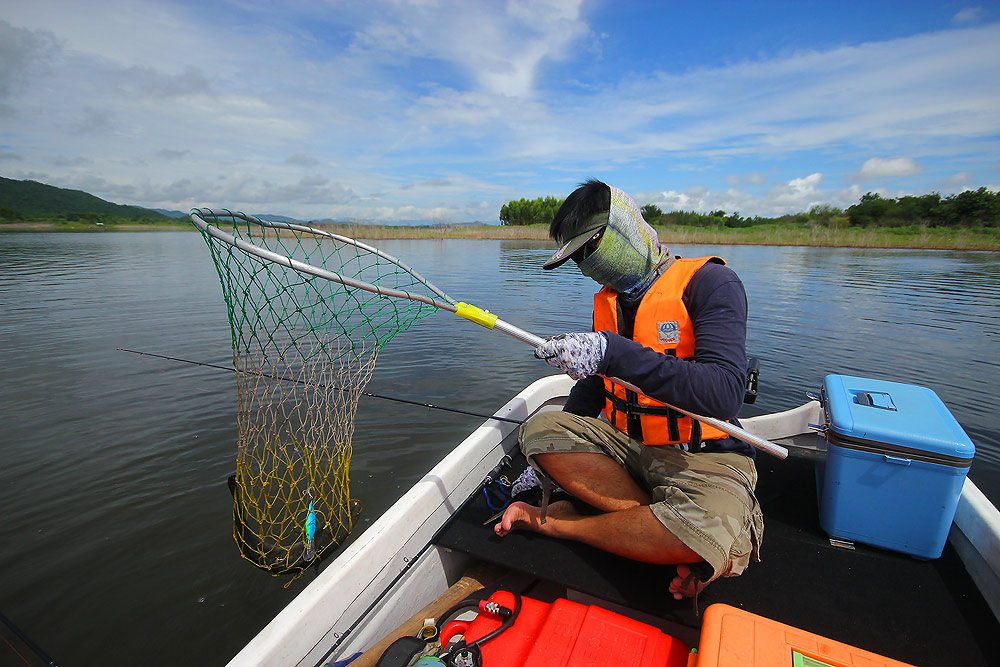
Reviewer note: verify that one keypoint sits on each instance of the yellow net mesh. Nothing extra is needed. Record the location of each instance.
(304, 349)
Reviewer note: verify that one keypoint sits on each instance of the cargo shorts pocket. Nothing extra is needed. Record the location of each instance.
(747, 544)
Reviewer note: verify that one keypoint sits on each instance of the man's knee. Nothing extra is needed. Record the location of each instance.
(551, 421)
(554, 431)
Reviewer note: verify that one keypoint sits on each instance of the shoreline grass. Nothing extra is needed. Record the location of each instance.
(909, 237)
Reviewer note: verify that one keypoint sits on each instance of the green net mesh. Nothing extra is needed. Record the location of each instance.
(304, 348)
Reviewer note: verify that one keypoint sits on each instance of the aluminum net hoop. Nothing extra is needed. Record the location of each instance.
(308, 313)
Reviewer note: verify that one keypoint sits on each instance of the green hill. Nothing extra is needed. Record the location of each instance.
(30, 199)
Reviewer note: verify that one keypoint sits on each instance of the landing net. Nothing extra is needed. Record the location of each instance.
(308, 319)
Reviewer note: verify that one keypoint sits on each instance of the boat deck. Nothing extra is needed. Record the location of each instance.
(927, 613)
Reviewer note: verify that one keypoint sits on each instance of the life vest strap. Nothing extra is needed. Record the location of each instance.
(633, 423)
(633, 410)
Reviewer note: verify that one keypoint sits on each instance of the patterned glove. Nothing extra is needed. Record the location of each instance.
(576, 354)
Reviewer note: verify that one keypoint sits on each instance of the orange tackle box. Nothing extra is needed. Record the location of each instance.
(732, 637)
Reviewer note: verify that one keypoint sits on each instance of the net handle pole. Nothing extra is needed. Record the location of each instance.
(518, 333)
(724, 426)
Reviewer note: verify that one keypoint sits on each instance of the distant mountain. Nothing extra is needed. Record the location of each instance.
(170, 213)
(272, 217)
(33, 199)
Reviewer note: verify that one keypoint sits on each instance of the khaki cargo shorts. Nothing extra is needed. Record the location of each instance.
(706, 499)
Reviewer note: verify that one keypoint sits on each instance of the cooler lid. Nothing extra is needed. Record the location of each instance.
(895, 414)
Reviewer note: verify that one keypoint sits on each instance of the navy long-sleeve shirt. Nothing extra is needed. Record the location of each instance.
(711, 383)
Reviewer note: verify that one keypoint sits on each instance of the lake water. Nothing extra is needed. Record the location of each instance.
(116, 524)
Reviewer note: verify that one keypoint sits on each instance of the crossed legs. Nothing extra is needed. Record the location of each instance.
(627, 526)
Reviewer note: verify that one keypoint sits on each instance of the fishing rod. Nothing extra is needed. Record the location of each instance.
(323, 386)
(27, 640)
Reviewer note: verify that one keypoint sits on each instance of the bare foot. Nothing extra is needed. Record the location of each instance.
(522, 516)
(684, 585)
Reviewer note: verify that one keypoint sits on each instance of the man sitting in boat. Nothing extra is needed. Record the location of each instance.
(668, 489)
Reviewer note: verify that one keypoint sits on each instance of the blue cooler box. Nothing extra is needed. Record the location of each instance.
(895, 464)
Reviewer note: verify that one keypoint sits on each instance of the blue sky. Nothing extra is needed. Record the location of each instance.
(443, 111)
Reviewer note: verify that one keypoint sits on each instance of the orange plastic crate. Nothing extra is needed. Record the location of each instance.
(569, 634)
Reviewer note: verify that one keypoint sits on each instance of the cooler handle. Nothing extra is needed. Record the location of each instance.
(897, 460)
(876, 399)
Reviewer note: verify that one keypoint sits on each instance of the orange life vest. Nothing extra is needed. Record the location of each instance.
(662, 323)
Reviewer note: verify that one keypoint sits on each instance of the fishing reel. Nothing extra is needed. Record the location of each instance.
(443, 643)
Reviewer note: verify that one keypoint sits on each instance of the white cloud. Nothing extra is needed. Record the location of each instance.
(302, 160)
(170, 154)
(148, 82)
(970, 15)
(798, 194)
(877, 167)
(961, 179)
(793, 196)
(671, 200)
(476, 38)
(23, 52)
(91, 120)
(750, 178)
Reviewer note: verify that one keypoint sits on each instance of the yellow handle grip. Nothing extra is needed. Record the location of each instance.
(476, 314)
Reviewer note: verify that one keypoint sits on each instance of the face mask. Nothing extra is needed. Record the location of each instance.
(629, 257)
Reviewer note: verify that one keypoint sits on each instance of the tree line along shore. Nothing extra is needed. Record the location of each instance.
(915, 237)
(968, 220)
(907, 236)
